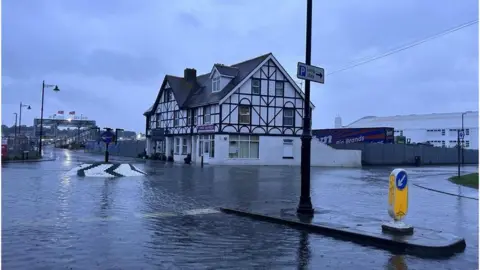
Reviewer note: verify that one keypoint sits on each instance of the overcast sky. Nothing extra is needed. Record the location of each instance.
(109, 57)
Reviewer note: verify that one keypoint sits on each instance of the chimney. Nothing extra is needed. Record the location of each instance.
(190, 75)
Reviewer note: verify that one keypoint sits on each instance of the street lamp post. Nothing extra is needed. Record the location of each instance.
(41, 113)
(20, 117)
(16, 116)
(305, 204)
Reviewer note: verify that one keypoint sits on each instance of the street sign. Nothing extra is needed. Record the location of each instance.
(310, 73)
(398, 194)
(461, 134)
(107, 136)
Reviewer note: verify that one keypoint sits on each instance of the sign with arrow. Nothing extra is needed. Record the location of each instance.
(107, 136)
(310, 73)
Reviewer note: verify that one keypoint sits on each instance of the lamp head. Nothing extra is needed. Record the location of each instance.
(29, 108)
(56, 89)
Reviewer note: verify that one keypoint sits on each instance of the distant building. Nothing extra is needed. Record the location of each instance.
(246, 113)
(438, 129)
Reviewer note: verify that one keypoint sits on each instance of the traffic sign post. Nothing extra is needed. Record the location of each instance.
(107, 137)
(398, 202)
(310, 73)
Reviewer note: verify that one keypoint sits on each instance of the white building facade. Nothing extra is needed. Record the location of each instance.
(247, 113)
(438, 129)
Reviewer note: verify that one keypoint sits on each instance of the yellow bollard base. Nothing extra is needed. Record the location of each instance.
(397, 228)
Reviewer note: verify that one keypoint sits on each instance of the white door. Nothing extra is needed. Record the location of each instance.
(206, 151)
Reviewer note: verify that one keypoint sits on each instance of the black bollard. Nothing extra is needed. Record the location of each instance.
(201, 161)
(106, 153)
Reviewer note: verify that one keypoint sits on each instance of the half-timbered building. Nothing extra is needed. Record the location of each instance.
(246, 113)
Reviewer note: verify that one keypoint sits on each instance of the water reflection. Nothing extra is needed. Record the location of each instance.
(397, 262)
(304, 252)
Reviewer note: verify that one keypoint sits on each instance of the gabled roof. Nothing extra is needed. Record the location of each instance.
(190, 95)
(226, 70)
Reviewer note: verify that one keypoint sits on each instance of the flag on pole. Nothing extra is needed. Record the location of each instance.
(72, 113)
(60, 112)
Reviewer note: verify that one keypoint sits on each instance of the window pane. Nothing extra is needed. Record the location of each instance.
(279, 85)
(243, 151)
(256, 82)
(244, 110)
(212, 147)
(288, 112)
(254, 150)
(254, 138)
(244, 138)
(288, 121)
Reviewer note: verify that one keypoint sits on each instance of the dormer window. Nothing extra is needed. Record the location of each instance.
(216, 84)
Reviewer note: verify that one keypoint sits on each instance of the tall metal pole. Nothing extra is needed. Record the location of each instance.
(41, 121)
(20, 121)
(305, 204)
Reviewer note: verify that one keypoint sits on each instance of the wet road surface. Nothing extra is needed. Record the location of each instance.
(165, 220)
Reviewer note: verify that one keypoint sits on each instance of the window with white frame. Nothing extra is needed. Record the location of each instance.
(206, 146)
(467, 131)
(189, 117)
(207, 114)
(243, 146)
(195, 116)
(243, 114)
(184, 146)
(177, 146)
(288, 117)
(158, 120)
(467, 144)
(176, 115)
(279, 88)
(443, 132)
(256, 86)
(216, 84)
(288, 149)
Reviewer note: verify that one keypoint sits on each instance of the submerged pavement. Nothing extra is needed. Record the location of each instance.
(167, 220)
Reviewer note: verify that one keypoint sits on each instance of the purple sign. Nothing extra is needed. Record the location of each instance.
(205, 128)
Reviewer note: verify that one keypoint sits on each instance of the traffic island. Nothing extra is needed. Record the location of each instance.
(106, 169)
(394, 235)
(364, 231)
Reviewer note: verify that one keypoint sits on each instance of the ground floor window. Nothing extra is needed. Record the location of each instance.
(288, 148)
(184, 147)
(177, 146)
(160, 147)
(243, 146)
(206, 145)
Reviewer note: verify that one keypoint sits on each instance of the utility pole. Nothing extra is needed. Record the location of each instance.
(305, 204)
(15, 125)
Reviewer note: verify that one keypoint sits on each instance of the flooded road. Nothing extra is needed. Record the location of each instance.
(167, 220)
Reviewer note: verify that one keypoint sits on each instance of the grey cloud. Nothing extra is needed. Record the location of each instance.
(103, 51)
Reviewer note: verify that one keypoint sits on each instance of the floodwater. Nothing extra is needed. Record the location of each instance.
(166, 220)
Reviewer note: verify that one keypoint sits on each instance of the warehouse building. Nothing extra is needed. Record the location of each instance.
(438, 129)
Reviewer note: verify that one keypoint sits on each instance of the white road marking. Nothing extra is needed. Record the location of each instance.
(136, 168)
(99, 171)
(73, 172)
(125, 170)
